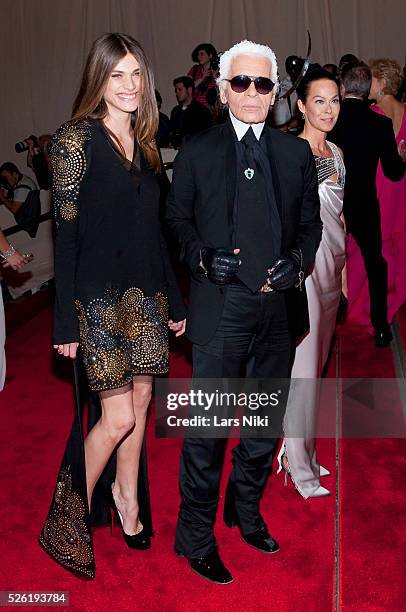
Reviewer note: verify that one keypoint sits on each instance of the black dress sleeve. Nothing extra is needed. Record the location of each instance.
(310, 229)
(177, 310)
(70, 160)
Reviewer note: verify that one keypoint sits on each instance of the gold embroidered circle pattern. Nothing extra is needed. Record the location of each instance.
(68, 158)
(111, 319)
(151, 347)
(73, 135)
(68, 171)
(68, 211)
(96, 339)
(65, 532)
(121, 337)
(95, 310)
(132, 298)
(107, 366)
(131, 324)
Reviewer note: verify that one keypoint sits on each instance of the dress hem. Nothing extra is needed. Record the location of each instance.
(125, 382)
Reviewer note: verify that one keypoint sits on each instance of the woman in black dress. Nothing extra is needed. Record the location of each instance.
(114, 288)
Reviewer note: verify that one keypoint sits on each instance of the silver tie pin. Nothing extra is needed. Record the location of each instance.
(249, 173)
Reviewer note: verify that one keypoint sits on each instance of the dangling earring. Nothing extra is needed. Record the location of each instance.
(303, 116)
(380, 94)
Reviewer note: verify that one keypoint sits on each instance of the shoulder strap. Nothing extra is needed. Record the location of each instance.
(338, 162)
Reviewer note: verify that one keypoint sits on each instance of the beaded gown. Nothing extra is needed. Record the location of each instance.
(323, 289)
(115, 289)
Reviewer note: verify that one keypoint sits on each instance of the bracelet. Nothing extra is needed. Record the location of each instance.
(6, 254)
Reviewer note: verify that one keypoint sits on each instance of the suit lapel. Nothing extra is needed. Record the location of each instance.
(230, 169)
(273, 160)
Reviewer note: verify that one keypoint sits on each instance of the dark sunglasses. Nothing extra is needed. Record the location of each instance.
(240, 83)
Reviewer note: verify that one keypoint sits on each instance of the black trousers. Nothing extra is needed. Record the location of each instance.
(367, 233)
(252, 339)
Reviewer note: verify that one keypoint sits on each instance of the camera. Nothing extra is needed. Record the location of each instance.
(22, 146)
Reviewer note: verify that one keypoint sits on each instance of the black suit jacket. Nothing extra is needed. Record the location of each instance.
(200, 213)
(193, 119)
(365, 138)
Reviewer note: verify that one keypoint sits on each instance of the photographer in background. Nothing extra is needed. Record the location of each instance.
(15, 187)
(285, 113)
(37, 158)
(203, 71)
(21, 196)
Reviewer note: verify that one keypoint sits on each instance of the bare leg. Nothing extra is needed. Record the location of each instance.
(116, 421)
(128, 458)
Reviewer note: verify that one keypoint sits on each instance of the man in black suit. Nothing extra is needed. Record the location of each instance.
(366, 138)
(244, 206)
(189, 116)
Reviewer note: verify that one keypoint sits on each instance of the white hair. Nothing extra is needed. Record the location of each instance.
(246, 47)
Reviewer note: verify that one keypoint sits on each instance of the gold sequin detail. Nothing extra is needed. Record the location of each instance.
(106, 366)
(68, 157)
(132, 297)
(123, 335)
(68, 211)
(162, 302)
(65, 535)
(149, 348)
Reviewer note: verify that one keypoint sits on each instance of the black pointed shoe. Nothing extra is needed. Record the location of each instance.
(261, 540)
(137, 541)
(210, 567)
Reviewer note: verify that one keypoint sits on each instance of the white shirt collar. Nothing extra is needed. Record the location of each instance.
(241, 128)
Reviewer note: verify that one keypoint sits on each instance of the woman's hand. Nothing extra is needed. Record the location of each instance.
(67, 350)
(17, 260)
(178, 327)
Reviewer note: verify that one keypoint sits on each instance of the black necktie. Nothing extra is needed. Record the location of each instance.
(253, 228)
(250, 156)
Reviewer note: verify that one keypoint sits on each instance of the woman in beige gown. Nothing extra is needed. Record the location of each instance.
(319, 103)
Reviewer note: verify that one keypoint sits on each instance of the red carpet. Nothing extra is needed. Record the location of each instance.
(373, 499)
(36, 409)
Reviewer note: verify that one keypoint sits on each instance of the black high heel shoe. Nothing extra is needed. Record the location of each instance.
(138, 541)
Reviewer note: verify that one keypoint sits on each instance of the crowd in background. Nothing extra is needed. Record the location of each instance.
(197, 108)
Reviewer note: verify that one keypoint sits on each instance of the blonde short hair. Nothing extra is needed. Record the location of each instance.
(389, 70)
(246, 47)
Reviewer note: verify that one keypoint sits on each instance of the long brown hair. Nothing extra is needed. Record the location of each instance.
(106, 52)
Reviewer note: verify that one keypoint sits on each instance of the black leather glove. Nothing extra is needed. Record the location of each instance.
(286, 272)
(219, 265)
